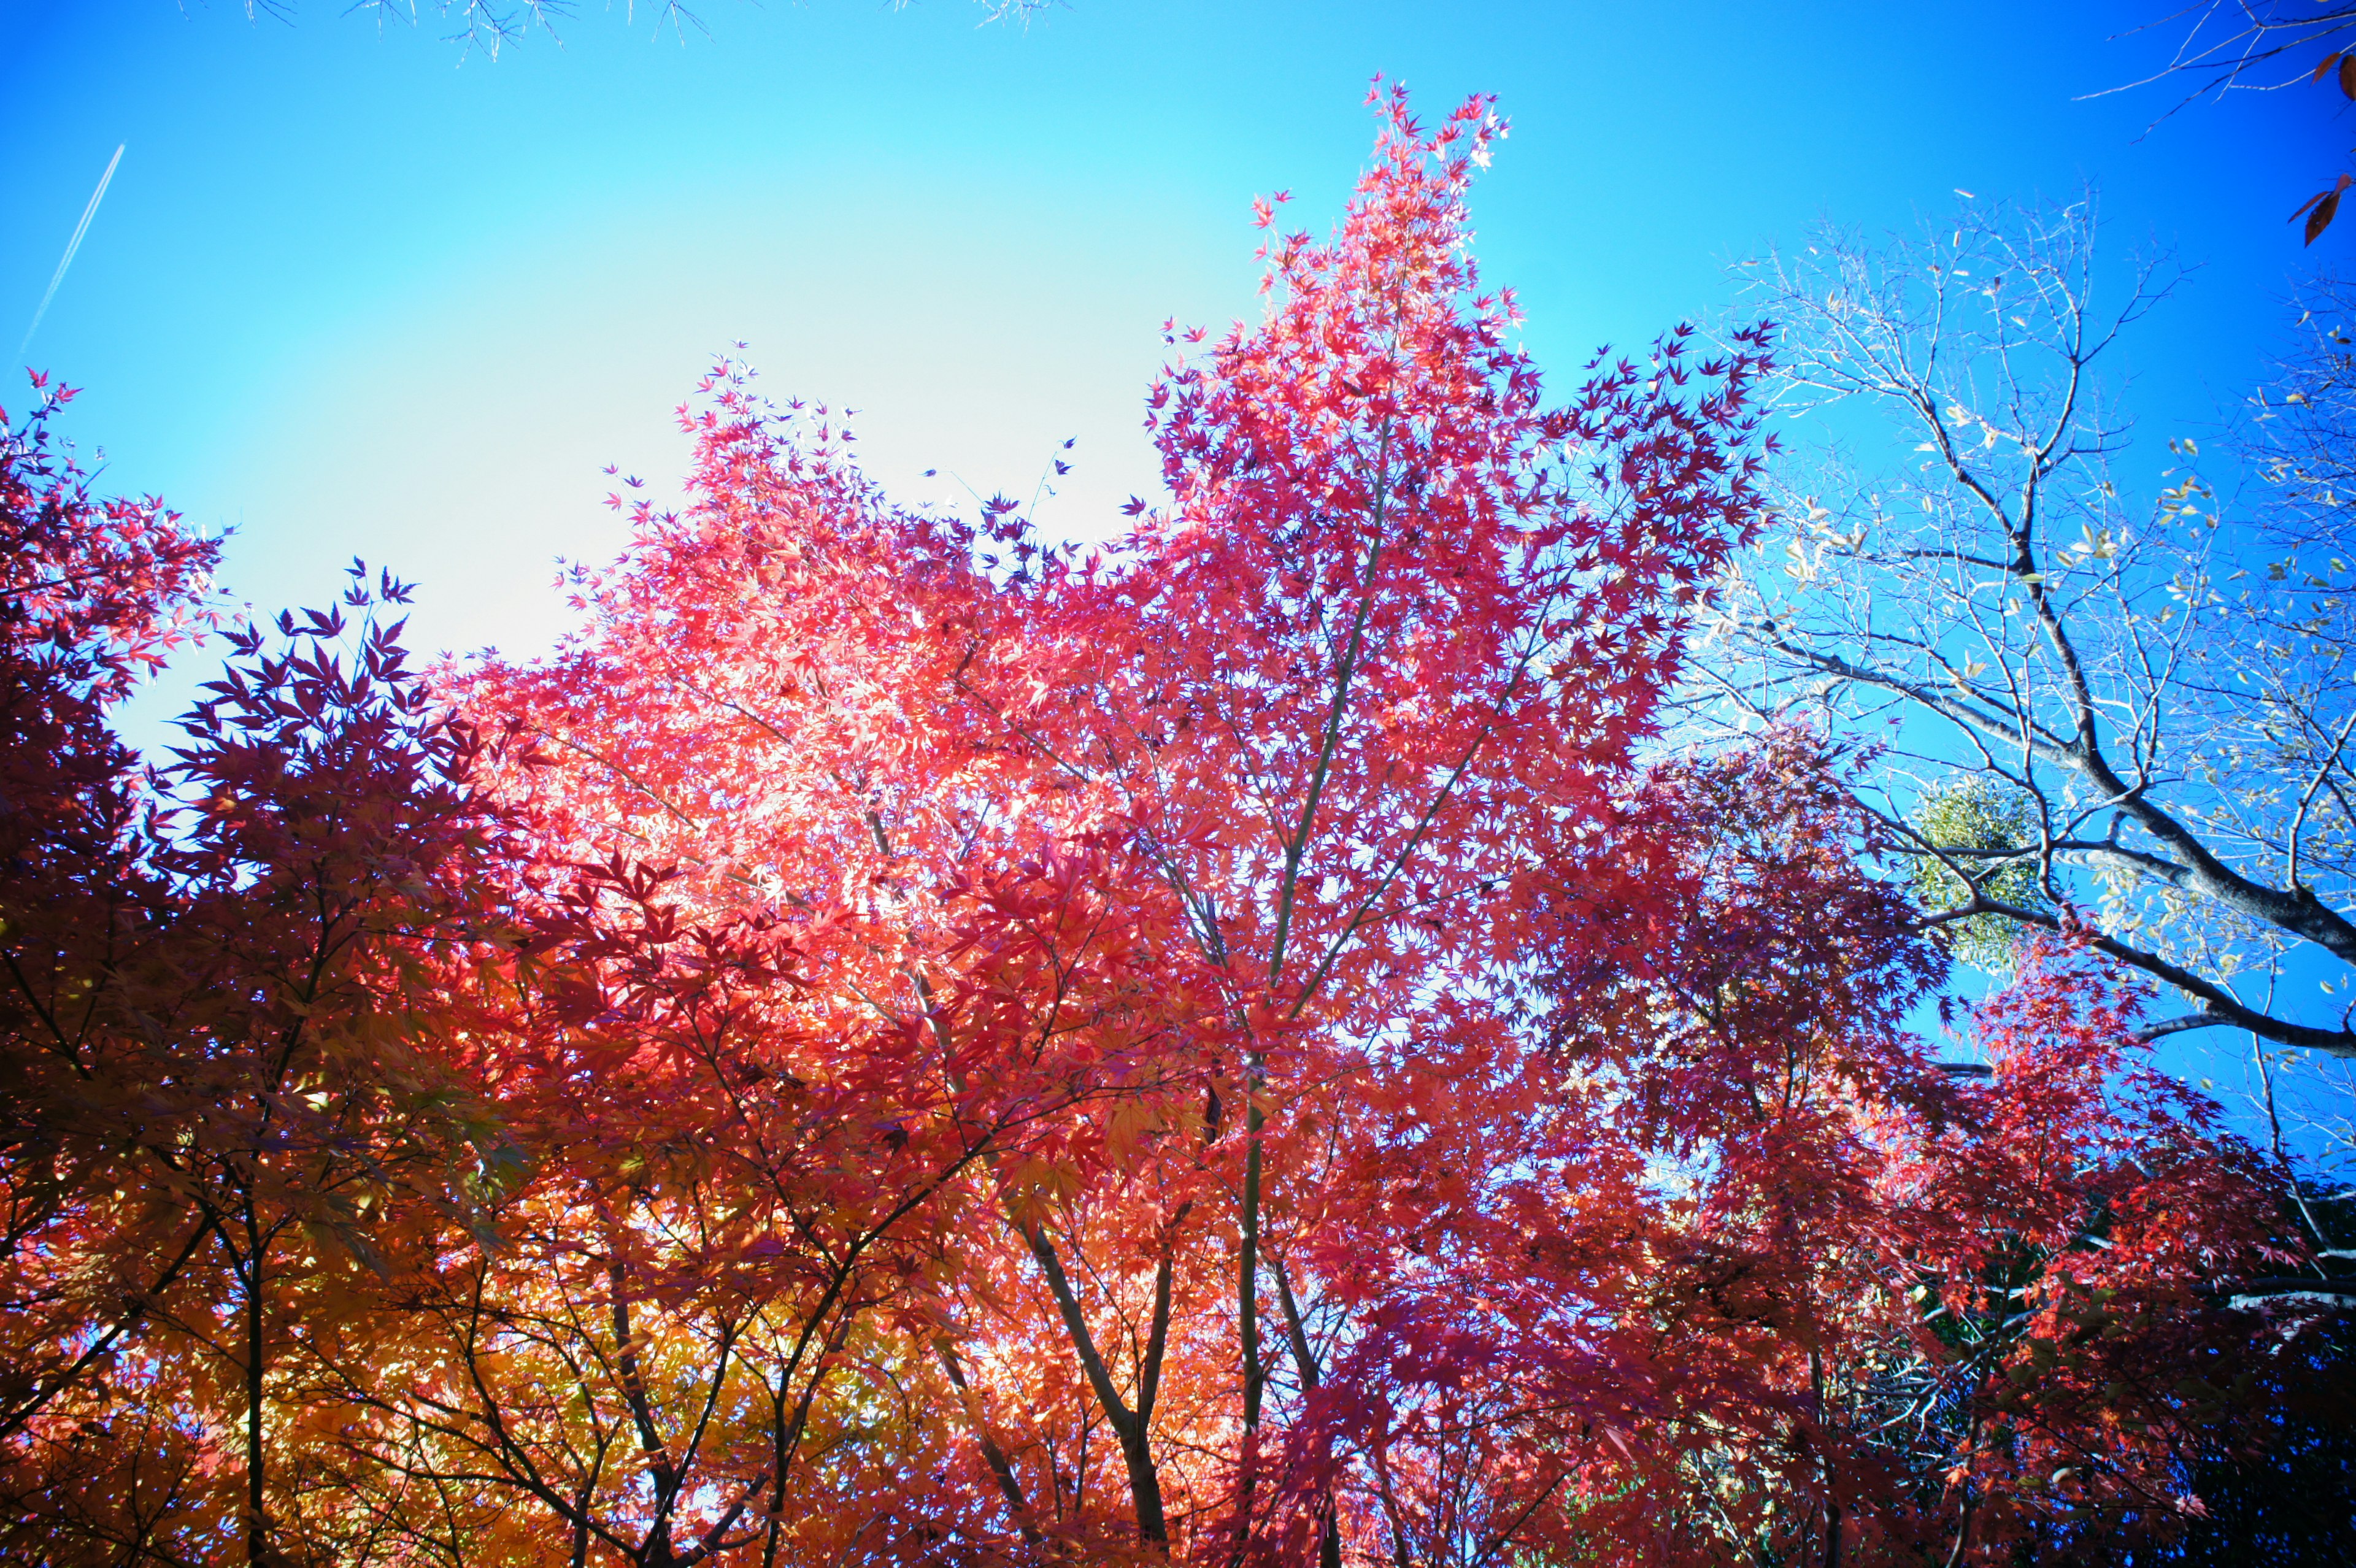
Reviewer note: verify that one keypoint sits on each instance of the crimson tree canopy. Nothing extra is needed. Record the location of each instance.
(905, 1041)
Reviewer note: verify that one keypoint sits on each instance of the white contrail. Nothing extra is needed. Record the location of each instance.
(72, 245)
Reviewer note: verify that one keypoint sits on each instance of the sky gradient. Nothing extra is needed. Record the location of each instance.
(353, 294)
(350, 295)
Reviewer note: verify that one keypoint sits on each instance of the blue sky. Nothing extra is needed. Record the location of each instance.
(348, 295)
(351, 295)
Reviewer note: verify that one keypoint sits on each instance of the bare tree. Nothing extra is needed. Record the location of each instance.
(2262, 46)
(2252, 45)
(2137, 719)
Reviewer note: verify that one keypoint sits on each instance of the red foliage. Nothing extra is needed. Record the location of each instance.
(902, 1041)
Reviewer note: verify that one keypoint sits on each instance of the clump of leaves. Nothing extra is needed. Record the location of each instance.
(1980, 823)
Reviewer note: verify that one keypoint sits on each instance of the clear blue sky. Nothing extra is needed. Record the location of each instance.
(350, 297)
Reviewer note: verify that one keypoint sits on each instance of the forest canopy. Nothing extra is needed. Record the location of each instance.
(904, 1040)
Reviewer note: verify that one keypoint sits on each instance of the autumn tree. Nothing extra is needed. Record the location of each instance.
(1328, 1244)
(903, 1040)
(97, 594)
(223, 973)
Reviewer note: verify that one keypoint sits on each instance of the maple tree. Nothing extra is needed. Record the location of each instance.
(902, 1041)
(221, 978)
